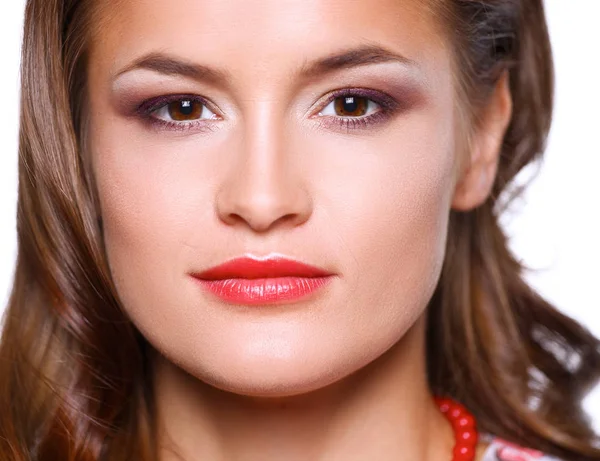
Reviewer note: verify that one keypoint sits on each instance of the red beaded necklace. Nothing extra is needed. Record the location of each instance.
(465, 431)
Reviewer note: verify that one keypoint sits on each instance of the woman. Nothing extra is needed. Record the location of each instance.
(269, 231)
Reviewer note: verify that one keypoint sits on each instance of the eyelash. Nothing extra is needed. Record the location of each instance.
(387, 108)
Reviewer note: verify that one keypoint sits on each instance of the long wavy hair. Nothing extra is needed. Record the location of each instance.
(75, 374)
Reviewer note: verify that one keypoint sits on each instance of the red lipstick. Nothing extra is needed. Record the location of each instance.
(262, 281)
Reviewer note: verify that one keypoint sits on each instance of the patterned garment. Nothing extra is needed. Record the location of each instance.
(501, 450)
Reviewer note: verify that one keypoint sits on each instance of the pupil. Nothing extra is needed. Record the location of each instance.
(186, 107)
(350, 104)
(354, 106)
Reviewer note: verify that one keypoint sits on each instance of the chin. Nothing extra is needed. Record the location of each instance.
(275, 377)
(270, 387)
(272, 380)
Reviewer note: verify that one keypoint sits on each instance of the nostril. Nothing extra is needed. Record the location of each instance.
(261, 204)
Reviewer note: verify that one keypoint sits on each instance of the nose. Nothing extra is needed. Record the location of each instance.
(264, 187)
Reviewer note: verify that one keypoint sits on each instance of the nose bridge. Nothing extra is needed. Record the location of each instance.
(262, 146)
(263, 186)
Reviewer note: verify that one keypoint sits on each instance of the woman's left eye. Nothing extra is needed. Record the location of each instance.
(183, 110)
(350, 105)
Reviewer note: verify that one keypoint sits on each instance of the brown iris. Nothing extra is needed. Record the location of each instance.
(353, 106)
(185, 109)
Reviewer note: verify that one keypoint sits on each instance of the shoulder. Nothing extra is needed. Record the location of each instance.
(502, 450)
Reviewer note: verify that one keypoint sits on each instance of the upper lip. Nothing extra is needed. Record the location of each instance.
(251, 268)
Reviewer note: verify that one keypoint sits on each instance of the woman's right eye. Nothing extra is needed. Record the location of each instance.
(183, 110)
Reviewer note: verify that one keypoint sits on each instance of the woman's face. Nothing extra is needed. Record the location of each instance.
(222, 129)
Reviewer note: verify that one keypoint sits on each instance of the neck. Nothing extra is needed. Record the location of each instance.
(383, 411)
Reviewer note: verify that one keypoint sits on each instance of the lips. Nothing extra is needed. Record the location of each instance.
(249, 268)
(263, 281)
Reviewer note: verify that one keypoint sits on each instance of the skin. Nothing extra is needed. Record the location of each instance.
(340, 376)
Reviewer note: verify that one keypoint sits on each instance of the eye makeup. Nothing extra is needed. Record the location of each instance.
(388, 106)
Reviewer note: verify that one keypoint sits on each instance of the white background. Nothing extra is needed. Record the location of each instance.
(555, 228)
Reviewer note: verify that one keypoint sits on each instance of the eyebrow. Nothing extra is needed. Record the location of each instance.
(171, 65)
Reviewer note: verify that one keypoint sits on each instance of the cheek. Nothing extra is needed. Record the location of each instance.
(156, 194)
(152, 201)
(388, 207)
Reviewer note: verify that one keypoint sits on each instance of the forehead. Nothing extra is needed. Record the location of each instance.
(266, 36)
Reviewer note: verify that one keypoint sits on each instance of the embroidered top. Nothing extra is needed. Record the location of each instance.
(501, 450)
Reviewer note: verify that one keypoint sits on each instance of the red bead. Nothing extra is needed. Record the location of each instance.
(466, 421)
(444, 406)
(455, 413)
(464, 453)
(467, 437)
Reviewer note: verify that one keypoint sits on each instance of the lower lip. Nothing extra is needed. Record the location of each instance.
(264, 291)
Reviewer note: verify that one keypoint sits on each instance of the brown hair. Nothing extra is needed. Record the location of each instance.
(74, 372)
